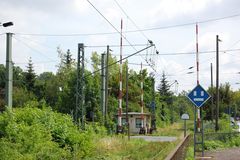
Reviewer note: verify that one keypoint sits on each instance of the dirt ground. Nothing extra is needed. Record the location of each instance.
(226, 154)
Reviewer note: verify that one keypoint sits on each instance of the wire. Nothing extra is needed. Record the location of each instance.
(36, 42)
(131, 31)
(119, 60)
(28, 46)
(235, 43)
(118, 31)
(137, 64)
(67, 35)
(188, 24)
(138, 29)
(114, 45)
(188, 53)
(39, 62)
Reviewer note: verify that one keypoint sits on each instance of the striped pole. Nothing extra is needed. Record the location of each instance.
(141, 96)
(197, 60)
(120, 83)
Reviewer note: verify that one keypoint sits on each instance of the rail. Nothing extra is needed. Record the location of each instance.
(179, 152)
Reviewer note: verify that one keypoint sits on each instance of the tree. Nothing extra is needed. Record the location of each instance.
(164, 90)
(66, 60)
(30, 76)
(227, 100)
(165, 96)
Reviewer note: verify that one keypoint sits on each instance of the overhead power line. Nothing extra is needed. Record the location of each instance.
(188, 24)
(113, 45)
(120, 33)
(38, 62)
(33, 49)
(138, 29)
(130, 31)
(187, 53)
(112, 25)
(133, 54)
(137, 64)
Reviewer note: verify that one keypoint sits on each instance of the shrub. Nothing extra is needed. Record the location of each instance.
(212, 145)
(33, 133)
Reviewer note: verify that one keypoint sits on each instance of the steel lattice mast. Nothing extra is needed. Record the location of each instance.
(80, 97)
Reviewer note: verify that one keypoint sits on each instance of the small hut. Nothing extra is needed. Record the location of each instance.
(135, 121)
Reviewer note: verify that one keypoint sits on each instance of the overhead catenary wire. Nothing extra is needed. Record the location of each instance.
(113, 45)
(138, 64)
(133, 54)
(37, 62)
(164, 54)
(131, 31)
(189, 53)
(138, 29)
(28, 46)
(36, 42)
(122, 36)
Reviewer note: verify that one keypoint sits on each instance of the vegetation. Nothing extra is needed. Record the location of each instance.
(58, 90)
(37, 132)
(40, 126)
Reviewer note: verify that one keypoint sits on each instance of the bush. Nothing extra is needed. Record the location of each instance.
(190, 153)
(212, 145)
(224, 123)
(33, 133)
(235, 142)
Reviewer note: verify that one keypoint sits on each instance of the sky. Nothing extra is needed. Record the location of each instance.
(41, 26)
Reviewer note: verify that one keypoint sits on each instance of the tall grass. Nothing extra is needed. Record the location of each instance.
(118, 147)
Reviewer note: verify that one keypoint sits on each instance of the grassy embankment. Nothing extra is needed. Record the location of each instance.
(118, 147)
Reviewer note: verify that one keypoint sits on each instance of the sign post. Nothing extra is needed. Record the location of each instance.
(185, 117)
(198, 96)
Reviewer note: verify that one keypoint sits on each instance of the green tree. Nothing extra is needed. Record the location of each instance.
(66, 60)
(164, 90)
(166, 97)
(30, 76)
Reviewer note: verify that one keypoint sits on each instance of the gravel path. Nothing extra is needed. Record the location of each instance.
(226, 154)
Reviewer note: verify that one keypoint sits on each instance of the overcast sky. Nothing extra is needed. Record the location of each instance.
(73, 17)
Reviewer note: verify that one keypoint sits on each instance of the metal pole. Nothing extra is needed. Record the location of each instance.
(153, 124)
(197, 60)
(185, 128)
(127, 120)
(80, 98)
(9, 71)
(120, 86)
(142, 118)
(202, 135)
(106, 82)
(217, 84)
(103, 94)
(195, 129)
(212, 109)
(83, 88)
(77, 87)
